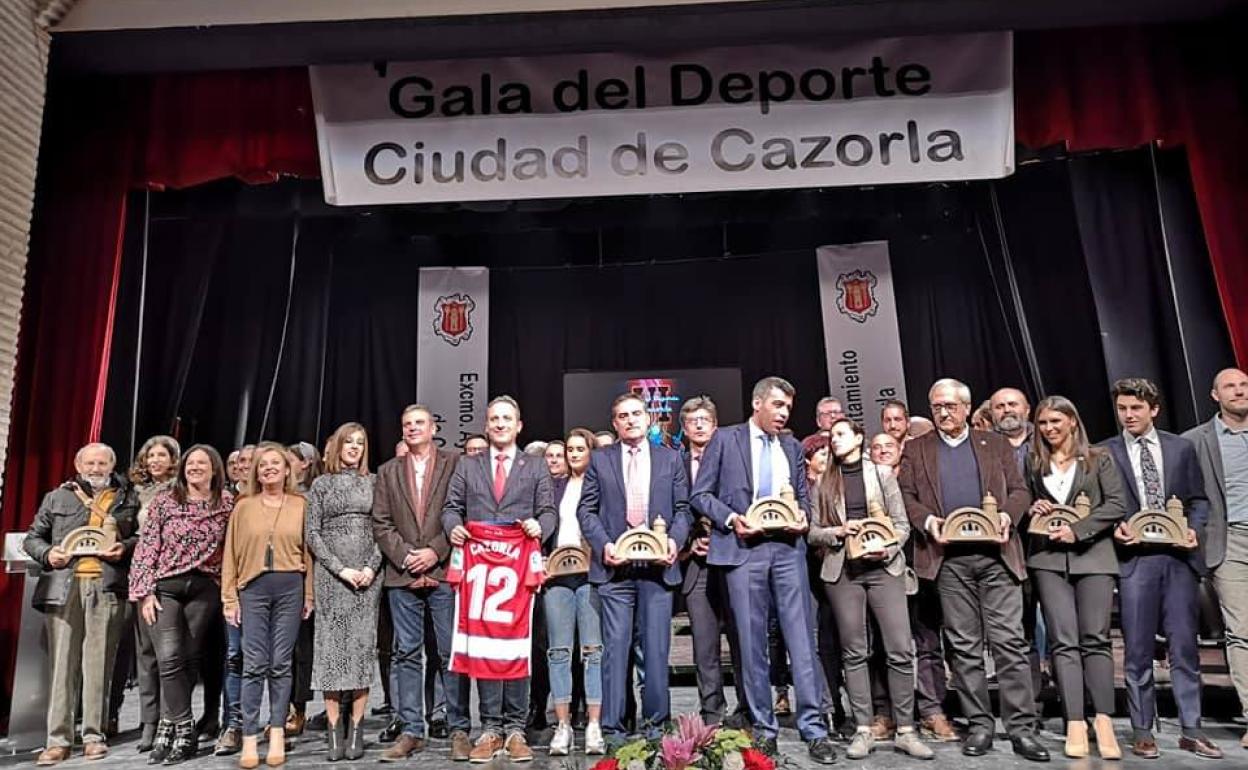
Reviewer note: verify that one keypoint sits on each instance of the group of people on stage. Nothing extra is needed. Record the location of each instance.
(226, 572)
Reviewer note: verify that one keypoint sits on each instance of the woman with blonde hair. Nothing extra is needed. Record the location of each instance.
(348, 597)
(1074, 567)
(266, 590)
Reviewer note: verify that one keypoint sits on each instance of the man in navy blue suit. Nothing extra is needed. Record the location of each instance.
(1159, 585)
(632, 483)
(741, 464)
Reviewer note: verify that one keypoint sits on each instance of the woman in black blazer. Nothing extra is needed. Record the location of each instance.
(1074, 567)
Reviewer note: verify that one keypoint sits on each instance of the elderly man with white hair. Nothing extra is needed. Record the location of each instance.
(83, 597)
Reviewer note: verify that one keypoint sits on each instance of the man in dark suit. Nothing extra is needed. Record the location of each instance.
(1222, 446)
(501, 485)
(407, 523)
(980, 584)
(1159, 585)
(630, 484)
(704, 590)
(744, 463)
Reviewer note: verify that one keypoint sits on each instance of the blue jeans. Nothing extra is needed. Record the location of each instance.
(571, 612)
(231, 709)
(409, 610)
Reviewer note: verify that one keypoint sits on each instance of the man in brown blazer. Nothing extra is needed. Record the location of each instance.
(407, 522)
(980, 584)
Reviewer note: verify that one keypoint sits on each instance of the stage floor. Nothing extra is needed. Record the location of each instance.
(1222, 723)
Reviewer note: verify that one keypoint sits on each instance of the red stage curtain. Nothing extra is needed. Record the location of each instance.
(106, 137)
(1124, 87)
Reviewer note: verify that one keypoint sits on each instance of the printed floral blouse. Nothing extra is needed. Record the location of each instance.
(178, 538)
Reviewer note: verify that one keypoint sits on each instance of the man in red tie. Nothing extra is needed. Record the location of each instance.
(502, 486)
(631, 484)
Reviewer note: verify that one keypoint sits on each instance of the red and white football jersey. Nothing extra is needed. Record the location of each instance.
(495, 575)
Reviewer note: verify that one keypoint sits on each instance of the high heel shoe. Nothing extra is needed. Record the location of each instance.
(355, 740)
(1106, 742)
(1076, 739)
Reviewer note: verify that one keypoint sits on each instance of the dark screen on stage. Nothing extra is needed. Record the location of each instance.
(587, 397)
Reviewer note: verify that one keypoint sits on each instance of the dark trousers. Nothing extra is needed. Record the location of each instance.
(931, 684)
(211, 673)
(190, 604)
(1160, 595)
(1076, 616)
(385, 646)
(885, 596)
(124, 663)
(301, 671)
(633, 603)
(832, 664)
(709, 617)
(147, 672)
(983, 604)
(504, 705)
(411, 612)
(774, 574)
(272, 607)
(539, 681)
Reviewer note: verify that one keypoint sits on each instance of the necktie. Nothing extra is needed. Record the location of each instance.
(500, 478)
(764, 467)
(636, 495)
(1152, 478)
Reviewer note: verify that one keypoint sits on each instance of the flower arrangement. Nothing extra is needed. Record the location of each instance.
(689, 745)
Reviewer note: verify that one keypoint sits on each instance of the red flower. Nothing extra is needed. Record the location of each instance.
(757, 760)
(606, 764)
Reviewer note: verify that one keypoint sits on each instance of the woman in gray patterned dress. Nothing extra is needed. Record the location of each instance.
(340, 536)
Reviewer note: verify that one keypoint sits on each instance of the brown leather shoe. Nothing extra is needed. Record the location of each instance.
(487, 746)
(1201, 747)
(882, 728)
(405, 746)
(938, 728)
(53, 755)
(518, 748)
(95, 750)
(295, 721)
(461, 748)
(1145, 748)
(782, 707)
(1243, 741)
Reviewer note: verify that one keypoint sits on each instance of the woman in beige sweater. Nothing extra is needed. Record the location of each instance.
(266, 589)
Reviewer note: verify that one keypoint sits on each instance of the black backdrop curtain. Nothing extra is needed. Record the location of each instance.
(994, 282)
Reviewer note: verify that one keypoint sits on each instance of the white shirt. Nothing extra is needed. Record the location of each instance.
(955, 441)
(1133, 452)
(569, 525)
(419, 465)
(510, 454)
(643, 469)
(780, 471)
(1059, 482)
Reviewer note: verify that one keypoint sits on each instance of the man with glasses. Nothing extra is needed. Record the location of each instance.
(980, 584)
(827, 411)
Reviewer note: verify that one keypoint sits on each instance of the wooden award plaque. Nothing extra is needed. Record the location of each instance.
(90, 541)
(1168, 527)
(568, 560)
(643, 543)
(875, 535)
(776, 512)
(1061, 514)
(974, 525)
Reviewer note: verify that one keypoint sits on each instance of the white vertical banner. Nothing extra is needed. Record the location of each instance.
(454, 349)
(860, 329)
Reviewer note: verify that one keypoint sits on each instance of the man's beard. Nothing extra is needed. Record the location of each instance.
(1239, 412)
(96, 482)
(1009, 424)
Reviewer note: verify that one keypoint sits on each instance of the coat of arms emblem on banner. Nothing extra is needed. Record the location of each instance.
(855, 295)
(453, 319)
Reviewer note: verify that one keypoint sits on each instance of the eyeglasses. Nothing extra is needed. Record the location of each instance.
(700, 420)
(950, 407)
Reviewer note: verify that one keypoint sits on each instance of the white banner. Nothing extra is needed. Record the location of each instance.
(860, 329)
(454, 349)
(759, 117)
